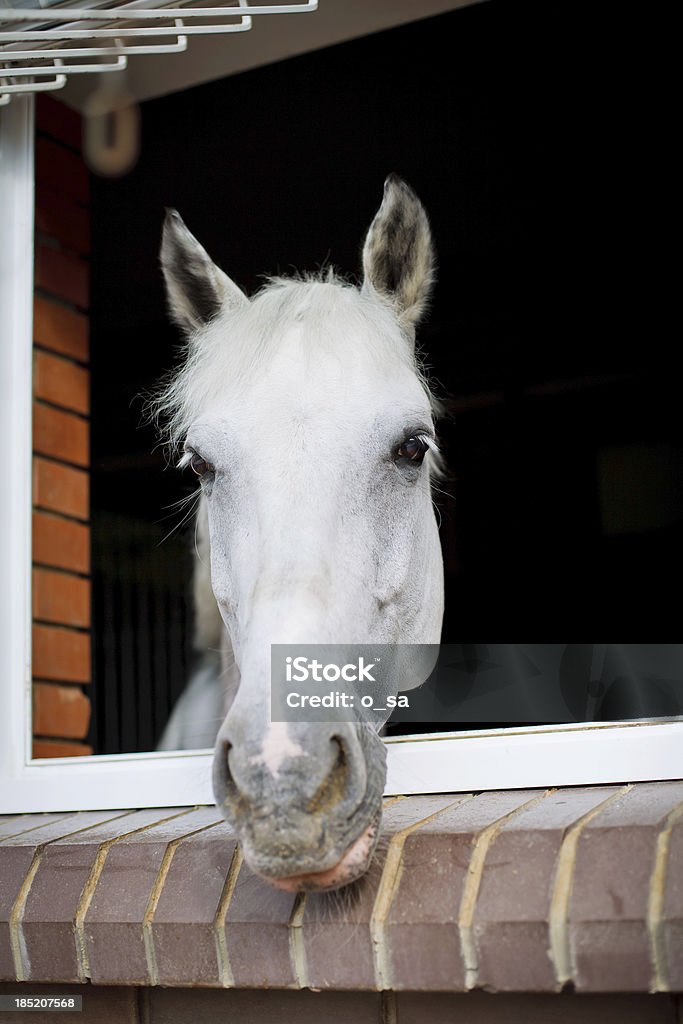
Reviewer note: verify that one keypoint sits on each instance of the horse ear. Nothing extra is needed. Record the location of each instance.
(398, 255)
(195, 286)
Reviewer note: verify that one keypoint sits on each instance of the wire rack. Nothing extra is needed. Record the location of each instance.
(42, 42)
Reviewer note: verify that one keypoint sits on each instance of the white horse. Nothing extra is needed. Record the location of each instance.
(306, 417)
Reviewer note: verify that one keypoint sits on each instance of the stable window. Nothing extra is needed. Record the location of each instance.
(567, 469)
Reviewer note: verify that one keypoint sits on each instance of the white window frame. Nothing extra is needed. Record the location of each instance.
(447, 762)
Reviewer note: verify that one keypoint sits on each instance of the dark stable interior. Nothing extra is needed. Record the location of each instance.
(525, 130)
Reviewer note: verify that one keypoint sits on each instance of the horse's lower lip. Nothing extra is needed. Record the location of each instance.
(352, 864)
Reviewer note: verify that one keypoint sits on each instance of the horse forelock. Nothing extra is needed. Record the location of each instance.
(332, 316)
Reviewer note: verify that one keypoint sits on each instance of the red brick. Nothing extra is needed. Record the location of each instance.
(422, 893)
(512, 917)
(61, 435)
(608, 911)
(14, 864)
(54, 118)
(60, 748)
(183, 922)
(16, 856)
(51, 907)
(61, 543)
(61, 218)
(258, 955)
(672, 911)
(61, 654)
(60, 597)
(421, 931)
(60, 711)
(326, 932)
(62, 489)
(62, 169)
(65, 866)
(63, 275)
(21, 824)
(60, 328)
(113, 923)
(61, 382)
(10, 824)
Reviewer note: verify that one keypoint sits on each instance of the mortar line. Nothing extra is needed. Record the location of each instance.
(225, 974)
(560, 951)
(91, 884)
(297, 947)
(388, 1007)
(33, 828)
(388, 884)
(17, 816)
(16, 931)
(475, 870)
(655, 905)
(143, 1008)
(155, 896)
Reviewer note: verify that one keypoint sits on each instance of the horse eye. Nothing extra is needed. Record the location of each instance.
(413, 449)
(199, 465)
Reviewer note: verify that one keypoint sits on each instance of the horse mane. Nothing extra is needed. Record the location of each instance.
(229, 350)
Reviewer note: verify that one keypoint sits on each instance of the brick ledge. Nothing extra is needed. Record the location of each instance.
(510, 891)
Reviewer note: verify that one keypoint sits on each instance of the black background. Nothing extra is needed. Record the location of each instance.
(534, 134)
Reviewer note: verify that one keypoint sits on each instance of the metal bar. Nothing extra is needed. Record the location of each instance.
(99, 51)
(66, 69)
(115, 24)
(121, 13)
(83, 29)
(118, 33)
(31, 35)
(59, 83)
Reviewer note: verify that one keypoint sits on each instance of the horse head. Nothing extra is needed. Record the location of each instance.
(305, 415)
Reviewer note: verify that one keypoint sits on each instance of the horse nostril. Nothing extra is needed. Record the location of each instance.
(232, 796)
(333, 789)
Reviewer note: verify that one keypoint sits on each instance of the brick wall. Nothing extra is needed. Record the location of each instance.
(61, 406)
(575, 889)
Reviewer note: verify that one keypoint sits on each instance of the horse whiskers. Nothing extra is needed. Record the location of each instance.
(435, 489)
(441, 491)
(334, 905)
(191, 509)
(437, 513)
(180, 504)
(196, 544)
(383, 843)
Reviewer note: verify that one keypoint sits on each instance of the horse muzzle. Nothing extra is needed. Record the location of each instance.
(313, 823)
